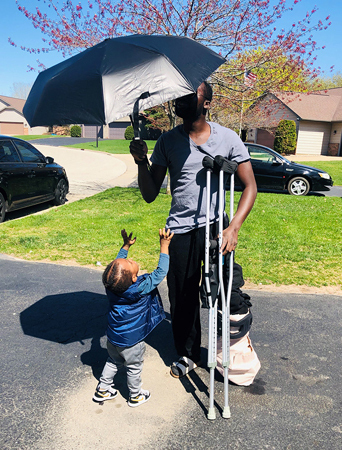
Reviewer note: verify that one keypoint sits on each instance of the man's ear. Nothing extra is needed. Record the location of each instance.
(134, 278)
(206, 106)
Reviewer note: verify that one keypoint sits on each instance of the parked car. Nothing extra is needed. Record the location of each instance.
(27, 177)
(274, 172)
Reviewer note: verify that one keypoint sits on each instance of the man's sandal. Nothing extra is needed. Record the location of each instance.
(182, 367)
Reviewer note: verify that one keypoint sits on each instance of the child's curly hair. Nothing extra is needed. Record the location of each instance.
(116, 279)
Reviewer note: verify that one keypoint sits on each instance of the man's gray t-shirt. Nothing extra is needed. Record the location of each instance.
(183, 157)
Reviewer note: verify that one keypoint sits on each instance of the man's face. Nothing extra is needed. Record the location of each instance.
(191, 107)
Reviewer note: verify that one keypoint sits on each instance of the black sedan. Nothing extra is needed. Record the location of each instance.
(274, 172)
(27, 177)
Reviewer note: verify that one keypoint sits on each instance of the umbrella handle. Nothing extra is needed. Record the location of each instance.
(135, 116)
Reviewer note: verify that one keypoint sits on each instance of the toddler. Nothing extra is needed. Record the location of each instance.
(135, 310)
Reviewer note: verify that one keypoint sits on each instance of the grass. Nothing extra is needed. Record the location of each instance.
(334, 169)
(115, 146)
(285, 240)
(31, 137)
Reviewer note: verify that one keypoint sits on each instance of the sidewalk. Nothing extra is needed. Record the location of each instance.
(296, 158)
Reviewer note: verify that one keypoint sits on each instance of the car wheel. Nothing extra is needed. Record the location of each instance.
(298, 186)
(2, 208)
(61, 192)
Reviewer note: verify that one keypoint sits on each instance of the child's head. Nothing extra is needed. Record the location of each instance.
(120, 274)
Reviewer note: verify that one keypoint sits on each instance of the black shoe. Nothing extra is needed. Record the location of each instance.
(183, 366)
(101, 395)
(139, 399)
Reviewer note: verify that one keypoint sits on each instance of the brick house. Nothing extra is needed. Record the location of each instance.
(318, 118)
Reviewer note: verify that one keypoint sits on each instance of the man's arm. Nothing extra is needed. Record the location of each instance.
(230, 234)
(150, 178)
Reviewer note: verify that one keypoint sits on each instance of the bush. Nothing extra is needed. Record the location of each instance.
(285, 137)
(75, 131)
(129, 133)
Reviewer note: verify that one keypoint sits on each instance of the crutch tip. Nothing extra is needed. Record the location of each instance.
(211, 414)
(226, 412)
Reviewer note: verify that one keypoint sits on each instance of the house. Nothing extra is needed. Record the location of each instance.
(12, 120)
(13, 123)
(318, 118)
(115, 130)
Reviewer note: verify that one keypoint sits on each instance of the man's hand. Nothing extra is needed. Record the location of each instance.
(128, 241)
(229, 240)
(138, 149)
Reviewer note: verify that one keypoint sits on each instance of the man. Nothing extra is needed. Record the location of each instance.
(182, 150)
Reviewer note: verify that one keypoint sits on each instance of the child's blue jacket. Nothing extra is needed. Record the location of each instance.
(136, 312)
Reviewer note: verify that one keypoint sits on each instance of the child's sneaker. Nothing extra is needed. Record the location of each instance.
(102, 395)
(139, 399)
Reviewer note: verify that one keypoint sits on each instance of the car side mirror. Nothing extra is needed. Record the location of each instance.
(277, 162)
(49, 160)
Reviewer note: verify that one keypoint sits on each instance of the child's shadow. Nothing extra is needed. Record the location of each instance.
(161, 339)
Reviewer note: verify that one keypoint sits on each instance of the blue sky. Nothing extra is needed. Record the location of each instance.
(14, 24)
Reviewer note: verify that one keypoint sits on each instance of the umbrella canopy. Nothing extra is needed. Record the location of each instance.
(107, 81)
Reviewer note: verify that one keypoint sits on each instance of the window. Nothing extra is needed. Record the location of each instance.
(259, 155)
(29, 153)
(8, 153)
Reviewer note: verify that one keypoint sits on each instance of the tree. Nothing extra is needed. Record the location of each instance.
(332, 81)
(20, 90)
(230, 27)
(285, 137)
(273, 72)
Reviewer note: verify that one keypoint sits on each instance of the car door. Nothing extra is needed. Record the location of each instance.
(268, 169)
(16, 178)
(43, 173)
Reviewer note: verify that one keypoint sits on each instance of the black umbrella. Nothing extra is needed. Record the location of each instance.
(113, 78)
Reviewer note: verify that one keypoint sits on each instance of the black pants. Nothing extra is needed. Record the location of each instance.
(187, 253)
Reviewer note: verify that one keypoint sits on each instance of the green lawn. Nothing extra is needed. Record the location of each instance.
(31, 137)
(285, 240)
(334, 169)
(115, 146)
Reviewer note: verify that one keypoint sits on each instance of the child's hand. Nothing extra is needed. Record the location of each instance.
(128, 241)
(165, 239)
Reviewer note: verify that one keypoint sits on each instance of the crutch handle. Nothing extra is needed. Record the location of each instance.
(208, 163)
(227, 166)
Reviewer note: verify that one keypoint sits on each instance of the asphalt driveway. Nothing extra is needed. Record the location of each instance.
(52, 327)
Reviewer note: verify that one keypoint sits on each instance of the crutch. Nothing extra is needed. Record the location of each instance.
(208, 163)
(223, 166)
(228, 167)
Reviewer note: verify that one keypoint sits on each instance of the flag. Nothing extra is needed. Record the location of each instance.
(250, 78)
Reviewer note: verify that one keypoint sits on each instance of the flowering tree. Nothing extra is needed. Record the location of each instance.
(273, 72)
(234, 28)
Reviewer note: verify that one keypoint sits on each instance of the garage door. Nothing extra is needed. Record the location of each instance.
(313, 138)
(117, 130)
(11, 128)
(89, 131)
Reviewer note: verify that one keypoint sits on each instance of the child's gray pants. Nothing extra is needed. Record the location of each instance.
(130, 357)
